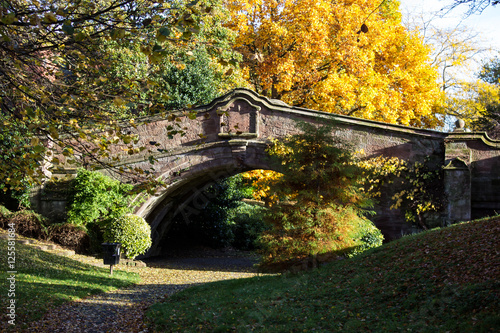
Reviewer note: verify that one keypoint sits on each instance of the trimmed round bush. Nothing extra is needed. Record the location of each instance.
(132, 231)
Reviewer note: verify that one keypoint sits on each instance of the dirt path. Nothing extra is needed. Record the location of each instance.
(123, 310)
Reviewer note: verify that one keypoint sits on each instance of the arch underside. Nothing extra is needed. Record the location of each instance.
(184, 196)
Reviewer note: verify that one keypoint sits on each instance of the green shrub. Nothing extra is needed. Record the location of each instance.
(132, 231)
(95, 197)
(367, 236)
(247, 225)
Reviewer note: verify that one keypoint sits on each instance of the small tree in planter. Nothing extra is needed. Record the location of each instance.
(132, 231)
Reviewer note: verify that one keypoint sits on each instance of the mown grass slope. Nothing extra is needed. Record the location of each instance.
(444, 280)
(44, 280)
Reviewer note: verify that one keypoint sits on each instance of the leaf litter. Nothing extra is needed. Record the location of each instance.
(123, 310)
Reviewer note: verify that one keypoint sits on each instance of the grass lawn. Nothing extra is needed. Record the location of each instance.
(44, 280)
(444, 280)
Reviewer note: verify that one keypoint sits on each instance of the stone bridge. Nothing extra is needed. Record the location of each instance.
(230, 135)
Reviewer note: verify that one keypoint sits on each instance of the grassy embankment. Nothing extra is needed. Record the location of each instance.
(44, 280)
(444, 280)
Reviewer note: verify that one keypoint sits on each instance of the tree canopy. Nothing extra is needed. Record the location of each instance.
(348, 57)
(61, 74)
(488, 98)
(456, 51)
(491, 71)
(478, 102)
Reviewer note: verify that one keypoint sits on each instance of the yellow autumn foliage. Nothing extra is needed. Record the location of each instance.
(260, 180)
(351, 57)
(473, 102)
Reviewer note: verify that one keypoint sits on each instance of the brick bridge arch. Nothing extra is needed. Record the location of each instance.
(229, 136)
(184, 195)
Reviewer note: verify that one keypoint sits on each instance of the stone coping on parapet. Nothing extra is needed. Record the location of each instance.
(279, 106)
(473, 136)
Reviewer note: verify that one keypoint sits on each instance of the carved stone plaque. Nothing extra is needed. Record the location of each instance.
(238, 119)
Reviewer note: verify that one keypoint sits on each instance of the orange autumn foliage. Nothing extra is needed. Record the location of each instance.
(351, 57)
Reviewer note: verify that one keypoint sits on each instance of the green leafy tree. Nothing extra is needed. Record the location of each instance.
(491, 71)
(320, 207)
(95, 198)
(193, 74)
(197, 84)
(58, 69)
(212, 225)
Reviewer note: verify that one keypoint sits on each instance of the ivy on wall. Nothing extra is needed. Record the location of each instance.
(417, 186)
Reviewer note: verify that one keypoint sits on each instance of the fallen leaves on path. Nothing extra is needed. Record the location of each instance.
(123, 310)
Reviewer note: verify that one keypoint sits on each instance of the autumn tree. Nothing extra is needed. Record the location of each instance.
(348, 57)
(455, 52)
(487, 99)
(490, 72)
(318, 207)
(58, 69)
